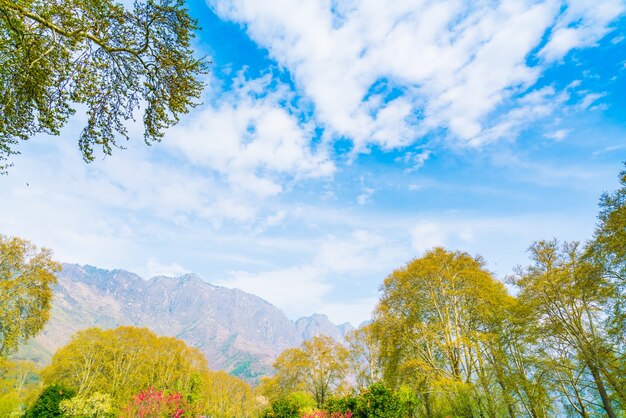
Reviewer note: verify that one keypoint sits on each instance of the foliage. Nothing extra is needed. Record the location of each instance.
(151, 403)
(100, 55)
(98, 405)
(610, 236)
(324, 414)
(19, 385)
(47, 404)
(119, 361)
(220, 395)
(319, 368)
(608, 250)
(365, 362)
(375, 401)
(378, 402)
(9, 405)
(26, 277)
(567, 296)
(342, 404)
(290, 406)
(435, 324)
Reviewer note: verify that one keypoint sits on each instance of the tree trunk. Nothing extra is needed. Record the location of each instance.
(606, 402)
(429, 407)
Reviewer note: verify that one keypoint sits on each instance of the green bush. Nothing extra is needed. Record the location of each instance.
(342, 405)
(283, 408)
(377, 401)
(47, 404)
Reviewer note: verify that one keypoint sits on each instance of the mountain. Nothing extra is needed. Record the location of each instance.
(238, 332)
(319, 324)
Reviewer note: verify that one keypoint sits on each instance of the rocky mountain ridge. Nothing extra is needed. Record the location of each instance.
(238, 332)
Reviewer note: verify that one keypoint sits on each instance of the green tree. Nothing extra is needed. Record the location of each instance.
(47, 404)
(377, 401)
(26, 276)
(287, 407)
(609, 240)
(109, 59)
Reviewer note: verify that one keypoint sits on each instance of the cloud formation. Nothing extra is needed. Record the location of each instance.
(252, 138)
(387, 73)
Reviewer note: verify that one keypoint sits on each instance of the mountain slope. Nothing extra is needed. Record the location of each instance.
(237, 331)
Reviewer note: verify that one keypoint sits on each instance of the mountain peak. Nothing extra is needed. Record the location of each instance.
(237, 331)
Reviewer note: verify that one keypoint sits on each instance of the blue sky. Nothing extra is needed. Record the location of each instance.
(340, 139)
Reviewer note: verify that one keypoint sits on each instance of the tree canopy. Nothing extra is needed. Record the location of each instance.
(435, 324)
(318, 368)
(26, 276)
(123, 361)
(57, 55)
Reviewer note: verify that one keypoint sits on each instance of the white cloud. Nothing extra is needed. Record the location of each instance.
(414, 160)
(363, 251)
(558, 135)
(297, 290)
(305, 288)
(427, 235)
(582, 24)
(355, 312)
(385, 74)
(366, 194)
(589, 99)
(155, 268)
(252, 140)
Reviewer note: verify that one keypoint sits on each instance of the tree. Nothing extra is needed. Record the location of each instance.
(608, 249)
(364, 358)
(221, 395)
(47, 404)
(19, 385)
(319, 367)
(287, 407)
(56, 54)
(377, 401)
(156, 403)
(609, 241)
(567, 296)
(122, 361)
(26, 276)
(435, 324)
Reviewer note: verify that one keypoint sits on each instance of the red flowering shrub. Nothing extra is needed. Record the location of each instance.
(151, 403)
(324, 414)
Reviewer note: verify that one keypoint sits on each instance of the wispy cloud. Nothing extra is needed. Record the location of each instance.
(251, 138)
(386, 74)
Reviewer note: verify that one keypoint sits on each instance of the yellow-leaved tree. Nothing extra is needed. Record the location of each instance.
(123, 361)
(437, 324)
(319, 368)
(26, 277)
(118, 364)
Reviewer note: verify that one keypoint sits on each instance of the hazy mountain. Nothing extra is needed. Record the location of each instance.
(319, 324)
(237, 331)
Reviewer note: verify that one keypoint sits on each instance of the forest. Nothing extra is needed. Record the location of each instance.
(447, 339)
